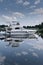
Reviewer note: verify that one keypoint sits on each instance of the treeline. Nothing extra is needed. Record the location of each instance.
(2, 27)
(39, 29)
(40, 26)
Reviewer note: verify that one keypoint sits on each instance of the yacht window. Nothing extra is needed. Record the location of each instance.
(17, 28)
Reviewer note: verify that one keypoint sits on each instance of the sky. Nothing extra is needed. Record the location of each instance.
(27, 12)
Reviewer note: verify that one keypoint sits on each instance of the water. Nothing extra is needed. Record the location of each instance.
(21, 51)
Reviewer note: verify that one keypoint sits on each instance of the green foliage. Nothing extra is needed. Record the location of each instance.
(40, 26)
(2, 27)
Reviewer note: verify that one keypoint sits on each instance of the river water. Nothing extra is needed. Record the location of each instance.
(21, 51)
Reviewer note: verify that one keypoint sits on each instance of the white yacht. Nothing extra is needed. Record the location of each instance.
(15, 30)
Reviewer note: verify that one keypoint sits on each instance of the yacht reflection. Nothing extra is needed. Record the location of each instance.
(14, 42)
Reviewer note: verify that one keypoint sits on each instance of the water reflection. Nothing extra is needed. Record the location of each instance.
(21, 51)
(15, 41)
(41, 35)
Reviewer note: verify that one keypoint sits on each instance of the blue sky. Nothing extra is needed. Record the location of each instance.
(27, 12)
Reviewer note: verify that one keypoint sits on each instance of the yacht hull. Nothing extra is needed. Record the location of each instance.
(18, 34)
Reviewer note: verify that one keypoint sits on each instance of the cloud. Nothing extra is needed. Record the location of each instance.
(32, 6)
(37, 11)
(25, 53)
(31, 50)
(18, 14)
(26, 3)
(18, 54)
(2, 58)
(38, 45)
(1, 0)
(6, 17)
(35, 54)
(19, 1)
(37, 2)
(13, 16)
(9, 18)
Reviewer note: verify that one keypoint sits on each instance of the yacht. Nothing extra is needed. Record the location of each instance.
(15, 30)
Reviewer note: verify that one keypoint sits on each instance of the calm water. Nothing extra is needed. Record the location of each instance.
(21, 52)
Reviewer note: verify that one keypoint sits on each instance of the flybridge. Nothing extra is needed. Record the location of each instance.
(14, 23)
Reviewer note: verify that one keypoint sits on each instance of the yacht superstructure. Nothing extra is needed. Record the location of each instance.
(15, 30)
